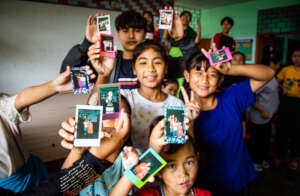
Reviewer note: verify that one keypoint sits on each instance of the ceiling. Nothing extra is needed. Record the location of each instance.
(200, 4)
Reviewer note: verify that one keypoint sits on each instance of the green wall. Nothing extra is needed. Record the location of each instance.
(244, 15)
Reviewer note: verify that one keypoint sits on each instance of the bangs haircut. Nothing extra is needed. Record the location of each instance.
(228, 19)
(195, 61)
(240, 53)
(130, 19)
(147, 44)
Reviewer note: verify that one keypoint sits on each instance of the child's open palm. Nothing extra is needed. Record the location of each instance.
(130, 158)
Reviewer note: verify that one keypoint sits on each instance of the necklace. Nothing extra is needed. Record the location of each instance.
(162, 191)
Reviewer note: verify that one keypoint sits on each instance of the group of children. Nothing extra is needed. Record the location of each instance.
(214, 118)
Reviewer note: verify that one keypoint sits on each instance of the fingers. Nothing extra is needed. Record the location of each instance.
(214, 46)
(185, 95)
(66, 145)
(204, 52)
(151, 179)
(192, 96)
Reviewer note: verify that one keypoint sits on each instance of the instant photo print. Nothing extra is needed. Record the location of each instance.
(88, 125)
(175, 128)
(219, 56)
(165, 19)
(80, 80)
(138, 174)
(107, 45)
(110, 98)
(103, 24)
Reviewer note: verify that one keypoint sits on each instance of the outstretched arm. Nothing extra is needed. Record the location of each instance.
(36, 94)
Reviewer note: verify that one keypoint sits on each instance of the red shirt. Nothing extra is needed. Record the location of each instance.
(156, 192)
(220, 37)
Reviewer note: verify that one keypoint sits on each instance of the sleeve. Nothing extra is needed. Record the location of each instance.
(8, 108)
(215, 39)
(70, 181)
(148, 192)
(281, 74)
(242, 95)
(77, 55)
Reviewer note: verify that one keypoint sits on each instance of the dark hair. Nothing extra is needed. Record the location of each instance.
(195, 60)
(130, 19)
(152, 24)
(270, 54)
(172, 148)
(229, 20)
(186, 12)
(240, 53)
(168, 80)
(146, 44)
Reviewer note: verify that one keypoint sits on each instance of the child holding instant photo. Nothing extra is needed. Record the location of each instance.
(19, 169)
(176, 178)
(146, 102)
(218, 128)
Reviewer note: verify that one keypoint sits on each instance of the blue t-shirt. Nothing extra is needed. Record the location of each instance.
(219, 131)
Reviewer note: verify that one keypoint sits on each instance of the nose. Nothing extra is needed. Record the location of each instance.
(182, 172)
(204, 78)
(131, 33)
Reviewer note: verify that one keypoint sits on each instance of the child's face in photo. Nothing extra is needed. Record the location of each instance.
(226, 27)
(203, 82)
(296, 58)
(170, 89)
(150, 68)
(181, 170)
(130, 37)
(237, 59)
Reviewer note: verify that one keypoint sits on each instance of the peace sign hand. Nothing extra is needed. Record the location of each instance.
(192, 107)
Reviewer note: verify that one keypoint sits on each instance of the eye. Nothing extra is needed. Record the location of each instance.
(189, 163)
(138, 30)
(125, 30)
(143, 62)
(172, 166)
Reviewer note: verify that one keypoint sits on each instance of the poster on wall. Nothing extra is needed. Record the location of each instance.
(246, 45)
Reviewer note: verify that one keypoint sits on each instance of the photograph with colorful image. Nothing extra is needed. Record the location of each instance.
(219, 56)
(175, 127)
(88, 125)
(165, 19)
(103, 24)
(110, 99)
(149, 164)
(107, 45)
(80, 80)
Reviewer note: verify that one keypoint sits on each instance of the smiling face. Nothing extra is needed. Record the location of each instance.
(130, 37)
(150, 68)
(203, 82)
(181, 170)
(186, 19)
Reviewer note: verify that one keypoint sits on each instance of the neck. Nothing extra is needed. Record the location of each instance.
(225, 33)
(185, 26)
(169, 192)
(152, 94)
(207, 103)
(297, 67)
(127, 54)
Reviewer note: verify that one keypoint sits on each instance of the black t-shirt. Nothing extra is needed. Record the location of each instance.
(126, 77)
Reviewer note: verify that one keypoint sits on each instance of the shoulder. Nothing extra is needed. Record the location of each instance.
(148, 192)
(217, 36)
(201, 192)
(285, 71)
(172, 100)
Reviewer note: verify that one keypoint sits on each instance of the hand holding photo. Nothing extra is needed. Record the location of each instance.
(80, 80)
(103, 24)
(165, 19)
(107, 45)
(219, 56)
(88, 125)
(110, 98)
(149, 164)
(175, 128)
